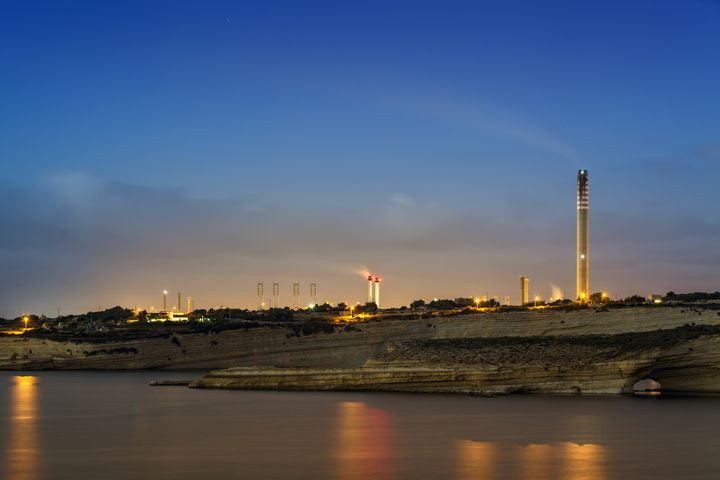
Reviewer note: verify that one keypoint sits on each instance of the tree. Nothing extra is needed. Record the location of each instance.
(598, 297)
(417, 304)
(635, 299)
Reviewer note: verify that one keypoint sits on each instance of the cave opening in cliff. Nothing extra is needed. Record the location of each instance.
(647, 386)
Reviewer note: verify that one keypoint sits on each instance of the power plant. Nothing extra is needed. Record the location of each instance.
(583, 288)
(374, 289)
(373, 285)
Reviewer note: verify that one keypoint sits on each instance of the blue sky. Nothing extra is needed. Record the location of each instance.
(205, 146)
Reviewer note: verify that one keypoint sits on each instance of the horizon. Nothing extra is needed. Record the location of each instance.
(205, 148)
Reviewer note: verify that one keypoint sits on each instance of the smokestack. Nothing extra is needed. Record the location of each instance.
(370, 298)
(524, 289)
(164, 300)
(377, 291)
(179, 303)
(313, 293)
(583, 287)
(189, 304)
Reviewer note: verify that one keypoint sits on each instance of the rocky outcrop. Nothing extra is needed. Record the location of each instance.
(344, 348)
(684, 359)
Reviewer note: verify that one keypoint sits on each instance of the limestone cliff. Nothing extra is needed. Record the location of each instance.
(369, 342)
(684, 359)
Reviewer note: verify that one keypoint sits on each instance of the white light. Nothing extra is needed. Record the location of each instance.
(582, 257)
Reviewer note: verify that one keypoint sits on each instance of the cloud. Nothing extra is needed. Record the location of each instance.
(496, 122)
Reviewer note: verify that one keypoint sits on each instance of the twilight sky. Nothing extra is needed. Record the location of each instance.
(205, 146)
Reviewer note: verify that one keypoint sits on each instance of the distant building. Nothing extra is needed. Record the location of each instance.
(524, 290)
(656, 299)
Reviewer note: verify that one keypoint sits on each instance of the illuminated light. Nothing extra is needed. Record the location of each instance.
(311, 305)
(165, 292)
(582, 256)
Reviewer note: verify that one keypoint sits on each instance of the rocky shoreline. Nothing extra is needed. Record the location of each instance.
(580, 351)
(683, 359)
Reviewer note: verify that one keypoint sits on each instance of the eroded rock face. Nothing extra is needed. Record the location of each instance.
(684, 359)
(535, 351)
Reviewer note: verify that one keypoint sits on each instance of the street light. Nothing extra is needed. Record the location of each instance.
(352, 311)
(26, 319)
(537, 299)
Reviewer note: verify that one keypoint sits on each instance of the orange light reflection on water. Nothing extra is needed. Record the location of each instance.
(22, 453)
(488, 460)
(364, 445)
(476, 460)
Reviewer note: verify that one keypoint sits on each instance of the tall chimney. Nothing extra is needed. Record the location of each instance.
(583, 287)
(377, 291)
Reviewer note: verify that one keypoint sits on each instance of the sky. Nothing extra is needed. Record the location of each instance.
(205, 146)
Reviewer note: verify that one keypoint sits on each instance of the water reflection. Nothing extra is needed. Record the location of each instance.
(364, 444)
(538, 461)
(476, 460)
(22, 454)
(482, 460)
(583, 462)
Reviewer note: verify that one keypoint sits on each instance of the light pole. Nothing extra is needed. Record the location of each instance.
(26, 319)
(537, 299)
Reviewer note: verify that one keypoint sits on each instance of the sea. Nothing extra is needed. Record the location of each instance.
(114, 425)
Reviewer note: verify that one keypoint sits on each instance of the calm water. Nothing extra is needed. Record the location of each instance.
(59, 425)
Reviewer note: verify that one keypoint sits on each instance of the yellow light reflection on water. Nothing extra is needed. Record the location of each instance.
(22, 453)
(538, 461)
(364, 445)
(476, 460)
(583, 462)
(488, 460)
